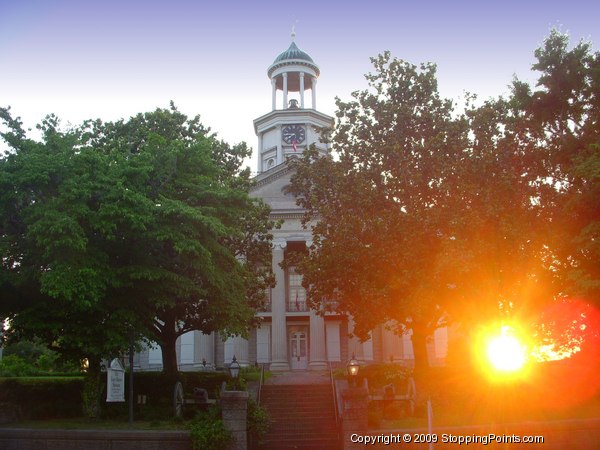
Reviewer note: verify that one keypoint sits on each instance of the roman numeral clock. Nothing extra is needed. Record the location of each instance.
(293, 134)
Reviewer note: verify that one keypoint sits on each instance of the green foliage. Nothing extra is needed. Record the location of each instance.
(432, 215)
(93, 387)
(236, 384)
(43, 397)
(143, 225)
(562, 116)
(381, 207)
(252, 373)
(258, 422)
(35, 359)
(208, 432)
(15, 366)
(379, 375)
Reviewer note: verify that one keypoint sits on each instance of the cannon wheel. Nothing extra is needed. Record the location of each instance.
(178, 400)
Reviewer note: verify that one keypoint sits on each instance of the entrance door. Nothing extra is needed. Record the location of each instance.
(298, 350)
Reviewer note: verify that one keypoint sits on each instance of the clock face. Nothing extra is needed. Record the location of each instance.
(294, 133)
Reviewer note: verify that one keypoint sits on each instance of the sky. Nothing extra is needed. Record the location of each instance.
(111, 59)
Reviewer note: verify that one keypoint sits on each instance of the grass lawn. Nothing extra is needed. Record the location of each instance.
(471, 414)
(550, 391)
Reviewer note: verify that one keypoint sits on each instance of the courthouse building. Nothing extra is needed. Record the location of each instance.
(291, 336)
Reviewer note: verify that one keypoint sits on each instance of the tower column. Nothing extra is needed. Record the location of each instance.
(204, 349)
(301, 89)
(274, 93)
(314, 92)
(279, 361)
(279, 145)
(285, 89)
(260, 162)
(317, 342)
(240, 350)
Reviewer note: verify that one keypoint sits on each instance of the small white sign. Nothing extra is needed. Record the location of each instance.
(115, 379)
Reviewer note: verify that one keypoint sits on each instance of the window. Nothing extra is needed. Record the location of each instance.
(296, 293)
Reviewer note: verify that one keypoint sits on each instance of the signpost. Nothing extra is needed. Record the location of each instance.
(115, 379)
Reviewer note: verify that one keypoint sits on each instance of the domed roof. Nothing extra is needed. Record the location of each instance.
(293, 56)
(293, 52)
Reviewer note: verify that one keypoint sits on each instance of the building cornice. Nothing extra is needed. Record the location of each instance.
(271, 175)
(290, 116)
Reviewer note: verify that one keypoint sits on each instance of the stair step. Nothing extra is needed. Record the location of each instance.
(302, 417)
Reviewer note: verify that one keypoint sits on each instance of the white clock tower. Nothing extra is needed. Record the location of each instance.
(291, 335)
(287, 131)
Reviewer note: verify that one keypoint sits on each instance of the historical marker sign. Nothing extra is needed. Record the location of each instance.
(115, 379)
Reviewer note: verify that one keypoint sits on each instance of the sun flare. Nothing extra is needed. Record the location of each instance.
(506, 353)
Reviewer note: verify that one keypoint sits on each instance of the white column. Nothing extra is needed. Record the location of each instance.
(332, 330)
(263, 344)
(301, 89)
(274, 92)
(186, 351)
(154, 354)
(279, 361)
(407, 347)
(367, 348)
(285, 90)
(260, 162)
(279, 146)
(317, 342)
(240, 350)
(204, 349)
(314, 92)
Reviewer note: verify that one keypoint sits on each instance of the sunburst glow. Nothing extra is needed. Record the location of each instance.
(506, 353)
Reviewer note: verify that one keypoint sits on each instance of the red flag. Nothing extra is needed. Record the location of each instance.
(294, 145)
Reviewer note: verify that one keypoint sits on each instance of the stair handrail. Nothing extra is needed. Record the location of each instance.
(335, 402)
(260, 382)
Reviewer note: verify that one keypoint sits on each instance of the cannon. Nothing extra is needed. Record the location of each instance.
(198, 397)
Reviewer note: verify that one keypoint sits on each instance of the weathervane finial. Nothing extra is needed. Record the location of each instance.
(294, 32)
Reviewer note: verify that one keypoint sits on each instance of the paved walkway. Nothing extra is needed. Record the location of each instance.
(299, 377)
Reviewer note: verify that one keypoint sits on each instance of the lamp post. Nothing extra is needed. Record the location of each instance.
(234, 370)
(353, 368)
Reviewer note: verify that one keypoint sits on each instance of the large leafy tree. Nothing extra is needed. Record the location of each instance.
(431, 214)
(380, 208)
(562, 118)
(141, 225)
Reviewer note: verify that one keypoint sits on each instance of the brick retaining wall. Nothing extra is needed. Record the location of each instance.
(27, 439)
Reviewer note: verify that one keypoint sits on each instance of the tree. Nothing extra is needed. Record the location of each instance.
(430, 215)
(381, 212)
(562, 118)
(143, 224)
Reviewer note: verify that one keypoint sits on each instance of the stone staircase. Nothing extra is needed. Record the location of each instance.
(302, 417)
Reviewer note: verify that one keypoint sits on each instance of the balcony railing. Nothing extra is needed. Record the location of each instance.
(297, 306)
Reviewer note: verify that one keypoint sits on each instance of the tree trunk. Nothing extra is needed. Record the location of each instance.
(168, 340)
(92, 389)
(421, 369)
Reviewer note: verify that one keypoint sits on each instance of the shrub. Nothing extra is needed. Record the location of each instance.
(43, 398)
(380, 375)
(15, 366)
(208, 431)
(37, 359)
(258, 423)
